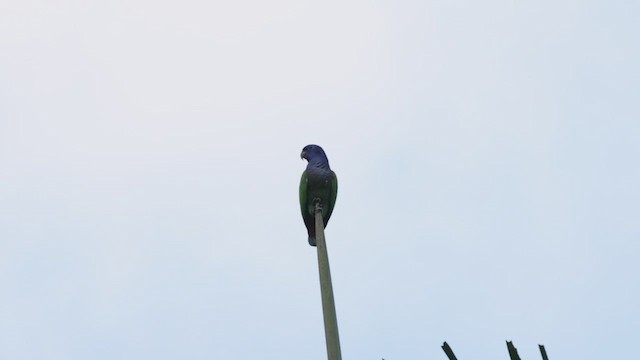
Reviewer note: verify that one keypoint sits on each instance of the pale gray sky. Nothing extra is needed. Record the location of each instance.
(487, 154)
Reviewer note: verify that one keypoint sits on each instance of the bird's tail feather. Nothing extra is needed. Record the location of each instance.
(312, 240)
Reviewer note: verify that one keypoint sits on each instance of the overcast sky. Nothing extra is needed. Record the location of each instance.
(487, 155)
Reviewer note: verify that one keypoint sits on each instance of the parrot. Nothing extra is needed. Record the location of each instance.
(318, 183)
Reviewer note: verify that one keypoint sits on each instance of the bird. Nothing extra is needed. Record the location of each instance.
(318, 184)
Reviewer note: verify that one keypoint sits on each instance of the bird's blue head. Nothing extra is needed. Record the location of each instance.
(315, 156)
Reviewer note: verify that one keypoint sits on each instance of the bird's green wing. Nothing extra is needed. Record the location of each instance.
(303, 193)
(333, 194)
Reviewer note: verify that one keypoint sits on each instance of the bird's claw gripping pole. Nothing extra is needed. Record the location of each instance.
(326, 289)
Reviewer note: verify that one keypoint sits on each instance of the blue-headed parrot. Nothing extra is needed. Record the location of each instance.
(318, 183)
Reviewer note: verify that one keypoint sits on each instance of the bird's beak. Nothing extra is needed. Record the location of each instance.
(303, 155)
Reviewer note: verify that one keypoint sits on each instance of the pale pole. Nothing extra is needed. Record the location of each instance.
(326, 289)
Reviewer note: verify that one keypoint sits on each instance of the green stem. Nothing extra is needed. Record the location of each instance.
(447, 350)
(543, 352)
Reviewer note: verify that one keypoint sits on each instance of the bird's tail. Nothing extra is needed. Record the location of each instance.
(312, 240)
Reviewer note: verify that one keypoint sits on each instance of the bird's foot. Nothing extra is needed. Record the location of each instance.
(318, 204)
